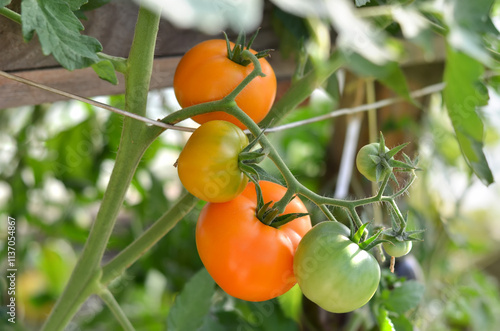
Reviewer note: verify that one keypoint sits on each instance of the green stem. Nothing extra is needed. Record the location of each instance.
(115, 308)
(129, 154)
(10, 14)
(135, 250)
(355, 216)
(327, 213)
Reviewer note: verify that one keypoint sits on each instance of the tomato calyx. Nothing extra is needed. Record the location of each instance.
(235, 54)
(381, 159)
(398, 231)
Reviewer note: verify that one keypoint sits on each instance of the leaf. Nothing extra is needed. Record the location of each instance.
(4, 3)
(462, 95)
(390, 74)
(291, 303)
(76, 4)
(405, 297)
(58, 31)
(401, 323)
(193, 303)
(384, 322)
(210, 16)
(467, 21)
(360, 3)
(106, 71)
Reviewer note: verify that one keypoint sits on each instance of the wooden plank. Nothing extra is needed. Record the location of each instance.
(84, 82)
(113, 25)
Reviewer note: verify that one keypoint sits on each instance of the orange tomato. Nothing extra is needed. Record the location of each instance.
(205, 73)
(246, 258)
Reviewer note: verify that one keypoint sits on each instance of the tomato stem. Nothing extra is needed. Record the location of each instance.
(133, 144)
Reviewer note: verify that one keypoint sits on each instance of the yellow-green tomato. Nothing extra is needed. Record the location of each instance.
(364, 162)
(333, 271)
(208, 164)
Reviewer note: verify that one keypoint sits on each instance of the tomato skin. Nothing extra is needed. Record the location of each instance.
(205, 73)
(208, 163)
(365, 164)
(332, 271)
(248, 259)
(396, 248)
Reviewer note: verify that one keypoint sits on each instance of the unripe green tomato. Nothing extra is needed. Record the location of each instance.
(366, 166)
(395, 247)
(208, 164)
(333, 271)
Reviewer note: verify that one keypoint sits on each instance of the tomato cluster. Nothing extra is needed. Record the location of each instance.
(249, 257)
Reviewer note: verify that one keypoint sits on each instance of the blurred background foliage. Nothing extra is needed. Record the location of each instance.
(55, 160)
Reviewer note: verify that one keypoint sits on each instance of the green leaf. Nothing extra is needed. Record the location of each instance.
(384, 322)
(58, 30)
(401, 323)
(390, 74)
(4, 3)
(405, 297)
(291, 303)
(463, 95)
(360, 3)
(105, 70)
(76, 4)
(468, 21)
(193, 303)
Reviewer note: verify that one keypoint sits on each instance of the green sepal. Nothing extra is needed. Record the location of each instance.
(357, 236)
(381, 147)
(398, 164)
(395, 150)
(239, 46)
(372, 241)
(252, 157)
(285, 218)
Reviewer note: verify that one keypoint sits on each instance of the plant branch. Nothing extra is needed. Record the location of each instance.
(130, 151)
(10, 14)
(115, 308)
(135, 250)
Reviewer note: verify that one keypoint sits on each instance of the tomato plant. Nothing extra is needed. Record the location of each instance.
(208, 163)
(205, 73)
(333, 271)
(395, 247)
(246, 258)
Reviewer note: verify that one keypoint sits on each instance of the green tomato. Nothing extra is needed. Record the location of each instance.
(333, 271)
(395, 247)
(366, 166)
(208, 164)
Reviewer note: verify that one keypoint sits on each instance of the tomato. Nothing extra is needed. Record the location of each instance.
(366, 166)
(208, 164)
(396, 248)
(205, 73)
(248, 259)
(333, 271)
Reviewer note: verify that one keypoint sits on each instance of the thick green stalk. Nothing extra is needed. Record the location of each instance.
(135, 250)
(87, 272)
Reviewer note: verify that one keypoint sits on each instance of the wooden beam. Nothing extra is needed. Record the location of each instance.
(85, 82)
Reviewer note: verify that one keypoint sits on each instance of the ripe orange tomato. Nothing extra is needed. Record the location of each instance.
(205, 73)
(208, 164)
(246, 258)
